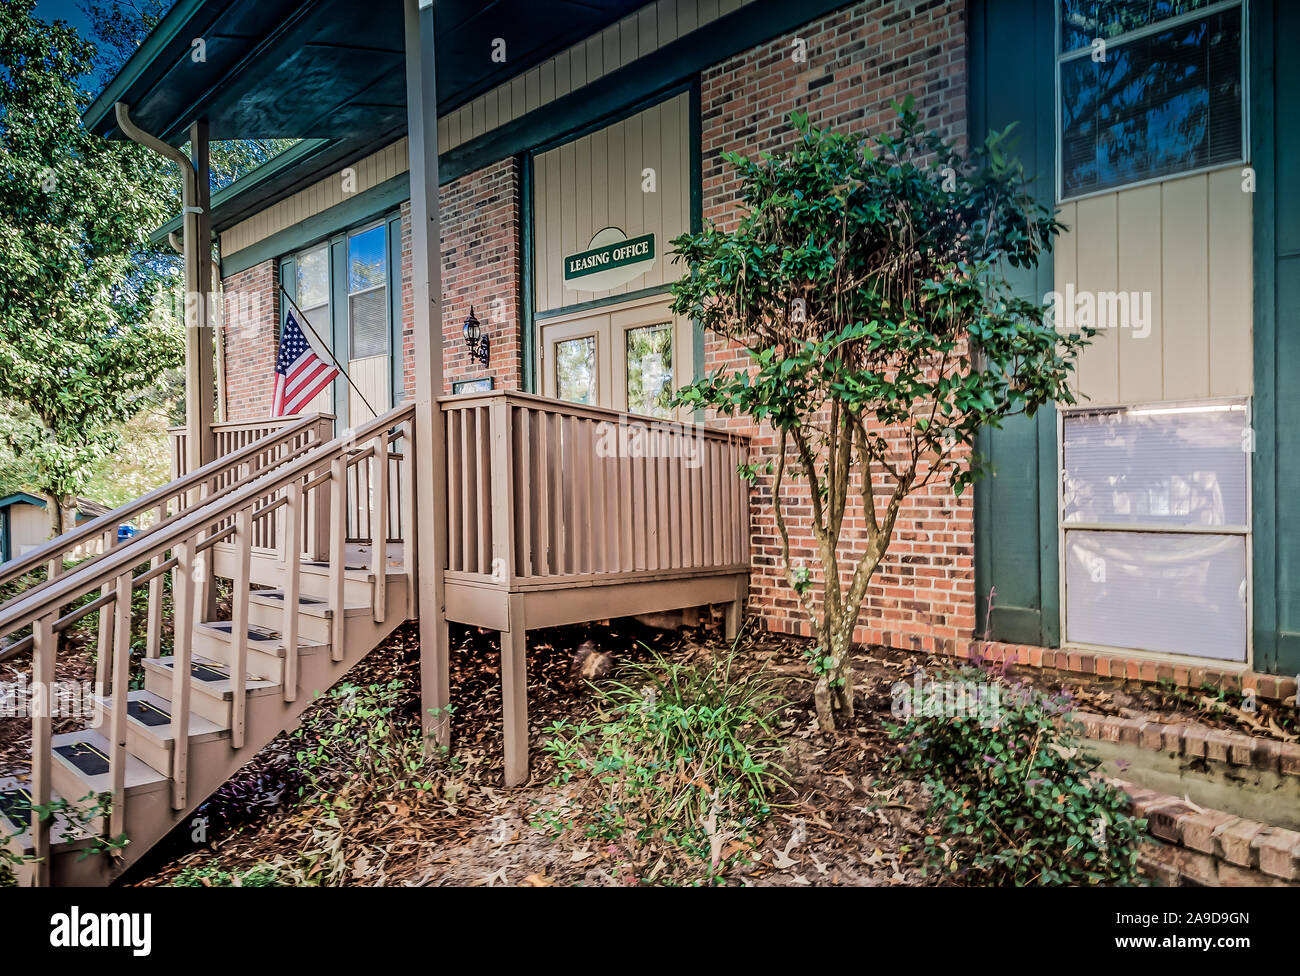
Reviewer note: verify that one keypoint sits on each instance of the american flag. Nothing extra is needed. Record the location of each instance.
(299, 373)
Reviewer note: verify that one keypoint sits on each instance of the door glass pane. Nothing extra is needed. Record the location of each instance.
(1176, 592)
(575, 369)
(650, 370)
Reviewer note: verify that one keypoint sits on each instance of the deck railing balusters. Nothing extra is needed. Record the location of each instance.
(379, 526)
(240, 585)
(292, 586)
(121, 654)
(338, 553)
(44, 649)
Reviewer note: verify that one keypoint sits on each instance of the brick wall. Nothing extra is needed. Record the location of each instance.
(859, 60)
(252, 317)
(480, 269)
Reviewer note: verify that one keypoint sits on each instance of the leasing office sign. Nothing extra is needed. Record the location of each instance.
(610, 260)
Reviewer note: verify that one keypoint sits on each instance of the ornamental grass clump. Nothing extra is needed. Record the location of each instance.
(675, 773)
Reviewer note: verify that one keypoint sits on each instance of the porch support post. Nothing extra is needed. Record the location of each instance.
(514, 691)
(429, 547)
(200, 378)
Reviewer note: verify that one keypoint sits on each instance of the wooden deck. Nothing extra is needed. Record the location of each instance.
(579, 512)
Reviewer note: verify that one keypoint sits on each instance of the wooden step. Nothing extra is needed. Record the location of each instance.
(80, 769)
(315, 618)
(149, 728)
(266, 569)
(211, 691)
(266, 649)
(66, 833)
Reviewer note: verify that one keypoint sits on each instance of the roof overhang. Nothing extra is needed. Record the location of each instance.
(332, 70)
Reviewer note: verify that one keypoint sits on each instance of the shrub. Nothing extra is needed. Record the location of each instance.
(676, 773)
(1013, 792)
(211, 876)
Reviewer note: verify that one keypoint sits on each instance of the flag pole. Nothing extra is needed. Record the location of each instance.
(303, 318)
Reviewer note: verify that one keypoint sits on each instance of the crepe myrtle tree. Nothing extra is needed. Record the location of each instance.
(83, 336)
(867, 281)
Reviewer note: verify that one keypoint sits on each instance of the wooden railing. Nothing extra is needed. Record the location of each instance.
(235, 435)
(540, 490)
(240, 465)
(179, 547)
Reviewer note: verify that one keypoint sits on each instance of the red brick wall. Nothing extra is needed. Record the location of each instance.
(859, 60)
(480, 268)
(252, 317)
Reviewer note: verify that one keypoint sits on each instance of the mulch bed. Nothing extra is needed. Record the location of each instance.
(841, 822)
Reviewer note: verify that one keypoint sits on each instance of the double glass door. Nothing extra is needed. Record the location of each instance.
(630, 358)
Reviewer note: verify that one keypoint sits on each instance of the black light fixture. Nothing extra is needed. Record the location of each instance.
(478, 343)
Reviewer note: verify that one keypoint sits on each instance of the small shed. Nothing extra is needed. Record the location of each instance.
(24, 525)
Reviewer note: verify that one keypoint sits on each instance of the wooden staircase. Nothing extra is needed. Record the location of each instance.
(306, 603)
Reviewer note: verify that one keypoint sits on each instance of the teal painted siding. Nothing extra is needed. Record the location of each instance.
(1275, 154)
(1016, 550)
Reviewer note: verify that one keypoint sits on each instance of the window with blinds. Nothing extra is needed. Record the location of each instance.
(1147, 90)
(368, 293)
(1155, 528)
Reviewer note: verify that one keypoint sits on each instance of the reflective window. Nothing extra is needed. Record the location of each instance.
(575, 369)
(1155, 513)
(650, 370)
(368, 292)
(1150, 105)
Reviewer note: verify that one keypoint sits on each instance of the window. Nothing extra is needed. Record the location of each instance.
(650, 370)
(314, 289)
(1147, 89)
(368, 293)
(1155, 524)
(575, 369)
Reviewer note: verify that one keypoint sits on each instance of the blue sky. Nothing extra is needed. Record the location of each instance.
(69, 10)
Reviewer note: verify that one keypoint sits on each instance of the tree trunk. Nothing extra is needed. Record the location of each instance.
(56, 509)
(833, 693)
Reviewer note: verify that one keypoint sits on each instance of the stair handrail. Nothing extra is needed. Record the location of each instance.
(61, 545)
(33, 604)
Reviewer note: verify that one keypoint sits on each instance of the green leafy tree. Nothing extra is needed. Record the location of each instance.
(84, 337)
(867, 280)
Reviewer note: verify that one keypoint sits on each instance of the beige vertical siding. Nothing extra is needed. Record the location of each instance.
(374, 169)
(596, 182)
(1187, 242)
(371, 377)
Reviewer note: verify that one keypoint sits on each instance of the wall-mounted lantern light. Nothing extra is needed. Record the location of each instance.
(478, 343)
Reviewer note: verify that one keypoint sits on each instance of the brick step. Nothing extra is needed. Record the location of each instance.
(1191, 845)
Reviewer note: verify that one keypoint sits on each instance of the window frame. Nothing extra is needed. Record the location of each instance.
(1060, 57)
(1245, 531)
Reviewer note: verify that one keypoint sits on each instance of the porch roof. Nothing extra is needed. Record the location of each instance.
(325, 69)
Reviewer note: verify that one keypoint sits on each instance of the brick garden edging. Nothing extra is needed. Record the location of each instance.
(1270, 687)
(1207, 847)
(1195, 742)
